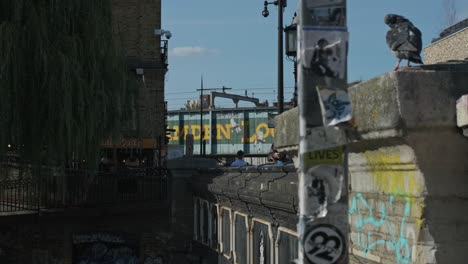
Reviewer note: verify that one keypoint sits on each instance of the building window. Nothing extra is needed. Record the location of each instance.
(214, 226)
(240, 239)
(261, 246)
(204, 222)
(226, 232)
(286, 246)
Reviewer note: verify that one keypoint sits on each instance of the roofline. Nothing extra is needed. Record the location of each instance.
(446, 37)
(454, 28)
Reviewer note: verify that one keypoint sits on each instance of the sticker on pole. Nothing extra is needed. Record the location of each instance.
(331, 156)
(324, 52)
(335, 106)
(324, 244)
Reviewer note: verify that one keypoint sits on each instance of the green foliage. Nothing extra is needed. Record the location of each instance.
(64, 85)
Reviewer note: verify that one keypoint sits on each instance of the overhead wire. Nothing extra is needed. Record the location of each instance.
(178, 103)
(236, 89)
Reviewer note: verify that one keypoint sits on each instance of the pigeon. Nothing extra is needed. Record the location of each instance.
(404, 39)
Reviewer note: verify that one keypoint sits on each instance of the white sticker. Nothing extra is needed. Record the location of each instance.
(335, 106)
(324, 244)
(324, 51)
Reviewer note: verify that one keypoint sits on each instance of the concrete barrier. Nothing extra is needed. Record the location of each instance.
(409, 172)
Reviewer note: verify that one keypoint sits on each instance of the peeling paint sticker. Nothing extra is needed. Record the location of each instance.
(319, 138)
(324, 186)
(324, 244)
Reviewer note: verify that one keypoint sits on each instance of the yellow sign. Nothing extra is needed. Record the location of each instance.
(225, 131)
(332, 156)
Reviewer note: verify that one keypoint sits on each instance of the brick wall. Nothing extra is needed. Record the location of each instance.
(135, 22)
(453, 47)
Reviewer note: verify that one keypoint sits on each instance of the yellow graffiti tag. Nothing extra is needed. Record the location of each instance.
(390, 174)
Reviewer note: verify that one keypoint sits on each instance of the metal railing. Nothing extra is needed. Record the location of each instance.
(76, 188)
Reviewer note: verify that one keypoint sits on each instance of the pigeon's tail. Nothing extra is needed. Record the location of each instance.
(416, 59)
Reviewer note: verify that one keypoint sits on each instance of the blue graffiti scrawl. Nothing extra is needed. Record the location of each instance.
(397, 242)
(104, 248)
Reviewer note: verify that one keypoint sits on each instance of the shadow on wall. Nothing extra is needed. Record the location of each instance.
(445, 168)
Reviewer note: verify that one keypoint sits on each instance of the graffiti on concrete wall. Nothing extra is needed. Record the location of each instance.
(387, 227)
(370, 224)
(393, 170)
(103, 248)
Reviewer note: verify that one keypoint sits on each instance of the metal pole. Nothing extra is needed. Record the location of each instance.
(280, 57)
(202, 132)
(294, 100)
(323, 199)
(201, 116)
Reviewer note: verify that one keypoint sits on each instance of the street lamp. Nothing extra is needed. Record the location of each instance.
(291, 51)
(164, 43)
(291, 39)
(281, 5)
(162, 32)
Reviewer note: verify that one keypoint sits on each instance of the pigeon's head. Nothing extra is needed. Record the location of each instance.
(391, 20)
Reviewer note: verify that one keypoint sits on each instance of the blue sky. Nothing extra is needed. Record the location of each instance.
(233, 45)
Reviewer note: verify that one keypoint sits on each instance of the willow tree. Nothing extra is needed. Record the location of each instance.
(64, 84)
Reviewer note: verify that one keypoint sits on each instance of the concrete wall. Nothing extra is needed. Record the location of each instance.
(409, 171)
(407, 165)
(189, 175)
(453, 47)
(151, 229)
(51, 239)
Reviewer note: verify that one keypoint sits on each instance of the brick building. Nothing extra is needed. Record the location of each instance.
(134, 22)
(451, 45)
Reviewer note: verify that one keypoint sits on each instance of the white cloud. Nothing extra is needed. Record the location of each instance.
(190, 51)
